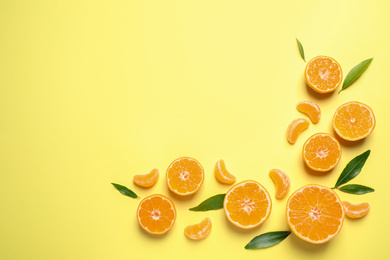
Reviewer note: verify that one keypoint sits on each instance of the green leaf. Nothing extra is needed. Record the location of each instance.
(355, 73)
(267, 239)
(300, 47)
(356, 189)
(214, 202)
(352, 169)
(125, 191)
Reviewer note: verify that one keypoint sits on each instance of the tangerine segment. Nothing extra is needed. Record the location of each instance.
(321, 152)
(295, 128)
(315, 213)
(311, 109)
(323, 74)
(222, 174)
(156, 214)
(185, 176)
(198, 231)
(354, 121)
(282, 183)
(146, 180)
(356, 210)
(247, 204)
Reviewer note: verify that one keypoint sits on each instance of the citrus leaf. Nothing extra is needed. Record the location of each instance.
(355, 73)
(267, 239)
(300, 47)
(125, 191)
(356, 189)
(352, 169)
(214, 202)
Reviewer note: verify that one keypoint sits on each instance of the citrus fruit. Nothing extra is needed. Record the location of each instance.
(315, 213)
(146, 180)
(247, 204)
(321, 152)
(323, 74)
(311, 109)
(198, 231)
(295, 128)
(353, 121)
(356, 210)
(185, 176)
(282, 183)
(156, 214)
(222, 174)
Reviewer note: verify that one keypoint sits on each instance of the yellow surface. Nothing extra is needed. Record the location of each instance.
(94, 92)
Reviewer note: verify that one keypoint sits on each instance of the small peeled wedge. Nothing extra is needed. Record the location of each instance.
(222, 174)
(282, 183)
(198, 231)
(356, 210)
(295, 128)
(311, 109)
(146, 180)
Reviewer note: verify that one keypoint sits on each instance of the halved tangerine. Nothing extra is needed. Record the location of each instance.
(321, 152)
(222, 174)
(323, 74)
(354, 121)
(295, 128)
(198, 231)
(282, 183)
(185, 176)
(247, 204)
(311, 109)
(356, 210)
(156, 214)
(315, 213)
(146, 180)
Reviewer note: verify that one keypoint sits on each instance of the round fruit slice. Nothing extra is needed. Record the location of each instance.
(321, 152)
(156, 214)
(323, 74)
(315, 214)
(185, 176)
(356, 210)
(311, 109)
(247, 204)
(295, 128)
(282, 183)
(222, 174)
(354, 121)
(198, 231)
(146, 180)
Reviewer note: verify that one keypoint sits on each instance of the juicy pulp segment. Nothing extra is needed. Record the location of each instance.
(356, 210)
(295, 128)
(222, 174)
(146, 180)
(311, 109)
(281, 181)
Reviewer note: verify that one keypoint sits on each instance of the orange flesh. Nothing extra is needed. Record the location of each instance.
(282, 183)
(247, 204)
(321, 152)
(315, 214)
(323, 74)
(222, 174)
(354, 121)
(185, 176)
(311, 109)
(156, 214)
(199, 231)
(356, 210)
(146, 180)
(295, 128)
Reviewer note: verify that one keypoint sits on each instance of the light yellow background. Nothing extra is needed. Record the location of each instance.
(94, 92)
